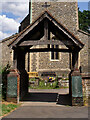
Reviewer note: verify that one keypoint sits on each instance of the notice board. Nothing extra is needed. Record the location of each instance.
(12, 86)
(77, 86)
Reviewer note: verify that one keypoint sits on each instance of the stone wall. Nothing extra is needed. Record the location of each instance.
(86, 88)
(41, 61)
(65, 12)
(7, 53)
(25, 23)
(84, 37)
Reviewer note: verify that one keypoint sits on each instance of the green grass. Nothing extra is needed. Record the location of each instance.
(48, 86)
(8, 108)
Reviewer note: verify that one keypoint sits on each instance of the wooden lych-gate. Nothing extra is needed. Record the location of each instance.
(38, 33)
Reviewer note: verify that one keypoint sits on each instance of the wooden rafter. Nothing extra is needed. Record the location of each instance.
(48, 49)
(71, 38)
(44, 42)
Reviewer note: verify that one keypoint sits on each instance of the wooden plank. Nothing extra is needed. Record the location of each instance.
(48, 42)
(46, 29)
(48, 49)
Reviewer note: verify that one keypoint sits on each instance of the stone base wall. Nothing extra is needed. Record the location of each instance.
(86, 88)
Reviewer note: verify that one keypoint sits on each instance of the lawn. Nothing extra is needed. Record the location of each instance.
(8, 107)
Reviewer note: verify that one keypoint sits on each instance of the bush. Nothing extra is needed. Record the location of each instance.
(5, 71)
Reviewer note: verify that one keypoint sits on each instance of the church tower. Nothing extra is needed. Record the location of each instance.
(64, 12)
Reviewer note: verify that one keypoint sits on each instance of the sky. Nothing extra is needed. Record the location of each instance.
(12, 13)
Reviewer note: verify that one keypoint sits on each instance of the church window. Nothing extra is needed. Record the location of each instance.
(55, 55)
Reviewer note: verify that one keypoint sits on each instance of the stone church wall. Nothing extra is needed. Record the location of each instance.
(24, 23)
(41, 62)
(84, 53)
(7, 53)
(65, 12)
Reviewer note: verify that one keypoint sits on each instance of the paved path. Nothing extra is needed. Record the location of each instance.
(59, 91)
(42, 104)
(48, 110)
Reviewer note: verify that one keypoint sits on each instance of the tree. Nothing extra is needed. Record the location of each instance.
(84, 20)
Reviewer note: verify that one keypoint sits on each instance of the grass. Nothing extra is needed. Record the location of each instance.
(47, 86)
(8, 107)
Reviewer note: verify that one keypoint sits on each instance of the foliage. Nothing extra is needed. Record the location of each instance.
(84, 20)
(8, 108)
(32, 79)
(48, 85)
(5, 72)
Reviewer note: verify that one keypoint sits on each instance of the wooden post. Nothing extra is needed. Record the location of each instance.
(15, 60)
(74, 60)
(20, 60)
(46, 29)
(46, 32)
(28, 61)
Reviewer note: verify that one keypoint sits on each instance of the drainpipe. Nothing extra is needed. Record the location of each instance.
(30, 10)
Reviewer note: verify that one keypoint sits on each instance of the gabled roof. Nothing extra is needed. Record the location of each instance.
(9, 38)
(47, 15)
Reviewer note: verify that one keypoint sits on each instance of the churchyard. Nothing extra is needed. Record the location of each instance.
(49, 83)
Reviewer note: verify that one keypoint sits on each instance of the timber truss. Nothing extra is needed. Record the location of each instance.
(38, 33)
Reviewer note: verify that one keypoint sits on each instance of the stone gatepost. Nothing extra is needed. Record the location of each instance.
(13, 81)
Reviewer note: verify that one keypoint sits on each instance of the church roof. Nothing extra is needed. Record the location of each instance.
(47, 15)
(8, 38)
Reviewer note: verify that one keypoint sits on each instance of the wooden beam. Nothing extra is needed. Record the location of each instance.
(46, 29)
(43, 42)
(48, 49)
(74, 60)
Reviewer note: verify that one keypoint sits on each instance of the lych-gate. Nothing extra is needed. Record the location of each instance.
(38, 33)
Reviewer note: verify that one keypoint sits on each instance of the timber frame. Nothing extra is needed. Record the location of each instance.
(38, 33)
(33, 34)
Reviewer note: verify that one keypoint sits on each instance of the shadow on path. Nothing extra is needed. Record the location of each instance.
(62, 99)
(41, 97)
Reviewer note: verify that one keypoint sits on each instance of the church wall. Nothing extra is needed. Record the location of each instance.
(65, 12)
(41, 62)
(7, 53)
(61, 66)
(25, 22)
(84, 52)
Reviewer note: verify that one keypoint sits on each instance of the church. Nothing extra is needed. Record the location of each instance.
(64, 27)
(49, 40)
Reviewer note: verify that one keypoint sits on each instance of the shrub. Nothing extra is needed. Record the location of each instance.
(5, 71)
